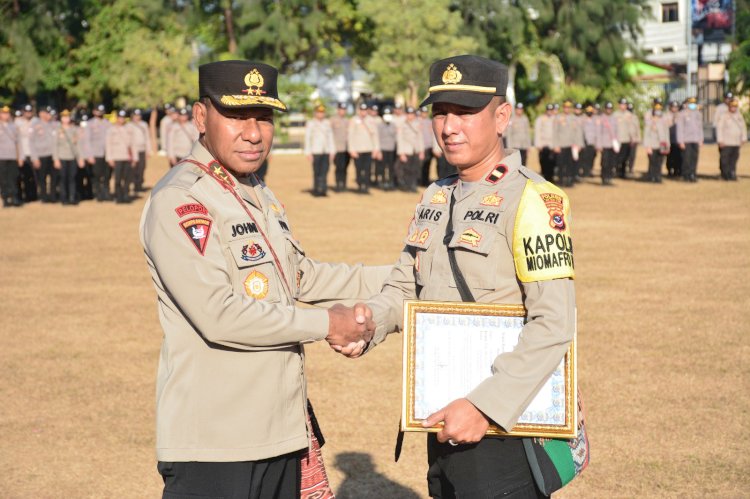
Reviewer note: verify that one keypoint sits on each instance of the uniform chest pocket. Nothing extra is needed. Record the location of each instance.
(474, 245)
(256, 275)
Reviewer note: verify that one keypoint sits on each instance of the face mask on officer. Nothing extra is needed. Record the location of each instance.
(692, 106)
(657, 113)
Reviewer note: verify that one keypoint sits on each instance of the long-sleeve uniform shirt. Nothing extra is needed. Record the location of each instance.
(23, 126)
(42, 138)
(544, 131)
(180, 139)
(231, 378)
(362, 135)
(518, 134)
(689, 125)
(512, 238)
(387, 136)
(96, 136)
(410, 139)
(607, 132)
(340, 127)
(656, 133)
(731, 129)
(66, 144)
(628, 129)
(567, 131)
(140, 134)
(10, 142)
(118, 144)
(319, 137)
(590, 129)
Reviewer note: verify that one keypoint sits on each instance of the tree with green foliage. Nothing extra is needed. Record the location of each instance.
(739, 60)
(422, 32)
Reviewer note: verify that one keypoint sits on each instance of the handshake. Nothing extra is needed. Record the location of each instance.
(350, 329)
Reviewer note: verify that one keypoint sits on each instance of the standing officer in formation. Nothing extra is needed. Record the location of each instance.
(182, 134)
(141, 146)
(469, 121)
(385, 166)
(731, 133)
(319, 149)
(518, 135)
(626, 135)
(607, 143)
(340, 127)
(543, 138)
(567, 140)
(10, 159)
(425, 123)
(27, 178)
(674, 159)
(721, 109)
(232, 409)
(589, 129)
(635, 133)
(67, 158)
(364, 146)
(690, 138)
(41, 140)
(410, 149)
(96, 137)
(120, 157)
(656, 142)
(170, 116)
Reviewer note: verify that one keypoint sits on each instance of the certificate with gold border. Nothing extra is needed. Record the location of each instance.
(449, 348)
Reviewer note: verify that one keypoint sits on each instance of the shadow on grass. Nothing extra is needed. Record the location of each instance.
(363, 481)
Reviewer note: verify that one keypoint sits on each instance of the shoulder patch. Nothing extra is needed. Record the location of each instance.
(197, 230)
(542, 246)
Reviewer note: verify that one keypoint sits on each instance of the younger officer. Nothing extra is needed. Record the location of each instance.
(543, 137)
(410, 150)
(67, 158)
(231, 396)
(590, 128)
(607, 143)
(319, 149)
(656, 142)
(731, 133)
(141, 146)
(385, 166)
(10, 159)
(364, 146)
(518, 135)
(690, 138)
(340, 127)
(27, 183)
(674, 159)
(567, 141)
(119, 156)
(42, 141)
(96, 138)
(182, 134)
(482, 217)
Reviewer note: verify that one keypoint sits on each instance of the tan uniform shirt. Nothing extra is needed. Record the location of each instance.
(42, 138)
(718, 112)
(689, 126)
(340, 127)
(656, 133)
(362, 135)
(141, 137)
(387, 136)
(626, 126)
(96, 136)
(180, 139)
(164, 125)
(483, 222)
(319, 137)
(518, 134)
(10, 142)
(607, 133)
(66, 144)
(231, 378)
(731, 129)
(23, 126)
(544, 131)
(410, 139)
(118, 144)
(567, 131)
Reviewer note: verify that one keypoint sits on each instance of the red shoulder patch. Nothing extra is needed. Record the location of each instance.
(189, 208)
(197, 230)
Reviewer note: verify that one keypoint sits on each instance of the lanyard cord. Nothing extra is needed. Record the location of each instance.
(227, 184)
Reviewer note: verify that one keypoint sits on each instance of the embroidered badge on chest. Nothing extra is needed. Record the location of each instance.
(491, 200)
(420, 237)
(252, 252)
(470, 237)
(256, 285)
(439, 198)
(198, 230)
(554, 203)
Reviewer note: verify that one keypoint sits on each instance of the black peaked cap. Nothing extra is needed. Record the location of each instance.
(466, 80)
(240, 85)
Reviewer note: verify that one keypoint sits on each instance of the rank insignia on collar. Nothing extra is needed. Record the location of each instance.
(491, 200)
(470, 237)
(256, 285)
(554, 203)
(439, 198)
(254, 81)
(497, 174)
(275, 208)
(219, 173)
(451, 75)
(198, 230)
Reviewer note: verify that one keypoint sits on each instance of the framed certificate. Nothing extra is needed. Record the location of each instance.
(449, 349)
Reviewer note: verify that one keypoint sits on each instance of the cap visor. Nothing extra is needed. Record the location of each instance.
(268, 103)
(467, 99)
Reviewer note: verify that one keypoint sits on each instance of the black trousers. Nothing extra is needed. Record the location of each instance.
(674, 161)
(547, 162)
(426, 162)
(363, 163)
(275, 478)
(690, 161)
(320, 165)
(102, 173)
(622, 159)
(9, 181)
(49, 179)
(140, 168)
(491, 468)
(341, 162)
(123, 174)
(565, 166)
(27, 188)
(631, 157)
(586, 161)
(84, 182)
(728, 156)
(409, 172)
(608, 161)
(68, 172)
(655, 160)
(384, 170)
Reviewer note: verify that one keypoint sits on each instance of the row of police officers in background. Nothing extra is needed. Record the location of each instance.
(569, 141)
(51, 157)
(389, 151)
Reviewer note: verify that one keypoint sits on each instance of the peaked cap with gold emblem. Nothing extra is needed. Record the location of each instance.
(466, 80)
(240, 85)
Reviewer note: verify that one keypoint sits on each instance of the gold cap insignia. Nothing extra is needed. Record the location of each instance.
(254, 81)
(451, 75)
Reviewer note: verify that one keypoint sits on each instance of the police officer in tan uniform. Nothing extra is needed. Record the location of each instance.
(119, 155)
(625, 136)
(231, 396)
(96, 138)
(590, 129)
(607, 144)
(340, 127)
(10, 159)
(141, 146)
(67, 158)
(319, 149)
(518, 134)
(363, 144)
(567, 140)
(410, 150)
(674, 159)
(182, 133)
(543, 137)
(689, 127)
(656, 142)
(731, 133)
(42, 140)
(490, 216)
(27, 182)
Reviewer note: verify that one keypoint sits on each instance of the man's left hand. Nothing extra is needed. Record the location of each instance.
(463, 422)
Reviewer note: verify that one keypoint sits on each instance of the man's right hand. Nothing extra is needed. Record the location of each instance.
(346, 327)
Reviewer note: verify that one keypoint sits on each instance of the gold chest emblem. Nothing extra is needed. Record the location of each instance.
(439, 198)
(452, 75)
(254, 81)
